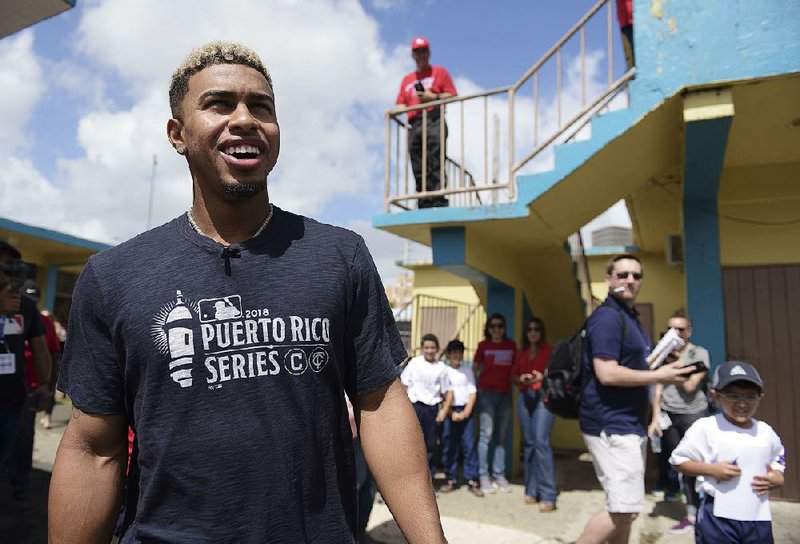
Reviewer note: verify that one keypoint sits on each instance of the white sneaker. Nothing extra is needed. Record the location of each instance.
(486, 485)
(502, 484)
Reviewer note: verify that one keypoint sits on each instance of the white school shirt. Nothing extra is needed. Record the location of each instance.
(462, 381)
(703, 439)
(426, 382)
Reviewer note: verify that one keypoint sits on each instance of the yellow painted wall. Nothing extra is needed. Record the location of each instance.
(759, 209)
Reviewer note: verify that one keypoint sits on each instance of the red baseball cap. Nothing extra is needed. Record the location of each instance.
(420, 43)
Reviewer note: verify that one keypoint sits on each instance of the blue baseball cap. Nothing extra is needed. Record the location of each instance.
(736, 371)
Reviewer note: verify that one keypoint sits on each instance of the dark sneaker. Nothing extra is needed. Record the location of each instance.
(451, 485)
(684, 526)
(475, 489)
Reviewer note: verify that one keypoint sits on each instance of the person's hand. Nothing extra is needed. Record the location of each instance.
(672, 373)
(725, 470)
(457, 416)
(654, 429)
(426, 96)
(441, 415)
(536, 376)
(526, 378)
(763, 483)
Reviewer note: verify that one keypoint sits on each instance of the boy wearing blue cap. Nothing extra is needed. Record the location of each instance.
(738, 460)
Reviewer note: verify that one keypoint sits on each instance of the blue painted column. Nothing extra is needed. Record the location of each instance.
(705, 144)
(50, 292)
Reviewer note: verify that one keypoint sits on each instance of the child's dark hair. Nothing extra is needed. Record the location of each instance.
(744, 384)
(454, 345)
(430, 338)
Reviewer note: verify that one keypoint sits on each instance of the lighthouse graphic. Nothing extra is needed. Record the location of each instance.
(180, 338)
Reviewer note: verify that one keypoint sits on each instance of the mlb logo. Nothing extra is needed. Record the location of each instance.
(220, 309)
(13, 325)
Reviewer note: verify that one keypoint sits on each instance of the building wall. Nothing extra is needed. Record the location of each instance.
(759, 209)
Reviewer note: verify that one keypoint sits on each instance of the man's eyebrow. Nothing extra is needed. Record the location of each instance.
(221, 93)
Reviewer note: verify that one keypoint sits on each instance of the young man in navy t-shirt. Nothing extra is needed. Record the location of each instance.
(614, 400)
(226, 339)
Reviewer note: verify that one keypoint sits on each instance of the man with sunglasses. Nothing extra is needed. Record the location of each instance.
(614, 400)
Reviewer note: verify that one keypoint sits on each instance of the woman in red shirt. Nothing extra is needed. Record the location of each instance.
(535, 420)
(492, 363)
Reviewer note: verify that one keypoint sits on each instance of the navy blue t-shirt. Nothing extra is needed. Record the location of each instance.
(615, 410)
(18, 328)
(233, 376)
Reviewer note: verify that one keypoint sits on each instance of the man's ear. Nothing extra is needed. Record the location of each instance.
(175, 135)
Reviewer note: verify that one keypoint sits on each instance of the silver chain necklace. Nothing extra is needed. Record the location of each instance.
(255, 234)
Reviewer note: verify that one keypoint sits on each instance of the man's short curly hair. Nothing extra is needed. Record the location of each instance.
(216, 52)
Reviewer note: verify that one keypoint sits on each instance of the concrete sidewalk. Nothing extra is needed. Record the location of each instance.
(495, 519)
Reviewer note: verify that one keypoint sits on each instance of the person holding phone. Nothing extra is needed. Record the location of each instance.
(426, 84)
(684, 404)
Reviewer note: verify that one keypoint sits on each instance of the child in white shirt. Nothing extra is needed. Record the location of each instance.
(459, 428)
(737, 458)
(428, 385)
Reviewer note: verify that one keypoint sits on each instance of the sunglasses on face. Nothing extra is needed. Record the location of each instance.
(732, 397)
(624, 275)
(496, 326)
(534, 329)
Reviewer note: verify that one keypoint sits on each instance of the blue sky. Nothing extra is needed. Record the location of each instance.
(86, 99)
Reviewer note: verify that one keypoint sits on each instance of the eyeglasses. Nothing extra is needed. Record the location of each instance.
(732, 397)
(497, 326)
(624, 275)
(534, 329)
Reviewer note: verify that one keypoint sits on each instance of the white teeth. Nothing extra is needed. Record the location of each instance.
(242, 149)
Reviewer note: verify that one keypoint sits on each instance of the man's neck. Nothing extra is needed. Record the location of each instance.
(230, 222)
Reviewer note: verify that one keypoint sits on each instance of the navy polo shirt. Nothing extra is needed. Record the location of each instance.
(615, 410)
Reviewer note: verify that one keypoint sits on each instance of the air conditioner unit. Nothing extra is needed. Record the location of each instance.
(674, 250)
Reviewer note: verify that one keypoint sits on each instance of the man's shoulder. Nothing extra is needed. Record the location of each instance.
(316, 231)
(147, 243)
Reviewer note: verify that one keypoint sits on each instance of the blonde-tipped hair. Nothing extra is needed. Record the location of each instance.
(216, 52)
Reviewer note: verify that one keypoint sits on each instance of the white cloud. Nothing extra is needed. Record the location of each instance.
(333, 80)
(22, 85)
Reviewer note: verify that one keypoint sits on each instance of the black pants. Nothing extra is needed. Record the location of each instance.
(427, 421)
(433, 180)
(672, 437)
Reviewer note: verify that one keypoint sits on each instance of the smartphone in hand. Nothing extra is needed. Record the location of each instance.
(419, 88)
(699, 366)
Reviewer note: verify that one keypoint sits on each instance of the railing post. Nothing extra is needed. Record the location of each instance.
(442, 147)
(511, 109)
(387, 165)
(610, 43)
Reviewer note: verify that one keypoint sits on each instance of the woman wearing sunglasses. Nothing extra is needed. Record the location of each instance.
(535, 420)
(492, 363)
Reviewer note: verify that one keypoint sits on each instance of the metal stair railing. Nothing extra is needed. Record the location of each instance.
(473, 128)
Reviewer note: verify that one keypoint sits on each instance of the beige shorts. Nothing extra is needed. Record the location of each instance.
(618, 461)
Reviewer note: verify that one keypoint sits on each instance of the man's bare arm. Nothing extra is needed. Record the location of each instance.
(86, 486)
(395, 451)
(610, 372)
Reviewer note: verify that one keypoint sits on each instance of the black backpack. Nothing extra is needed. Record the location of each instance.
(562, 377)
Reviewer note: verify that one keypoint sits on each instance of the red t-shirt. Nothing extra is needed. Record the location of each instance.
(53, 346)
(497, 360)
(523, 364)
(625, 12)
(435, 79)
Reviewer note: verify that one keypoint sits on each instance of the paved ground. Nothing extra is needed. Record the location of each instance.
(497, 519)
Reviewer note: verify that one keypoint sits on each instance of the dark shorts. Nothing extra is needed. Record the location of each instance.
(710, 529)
